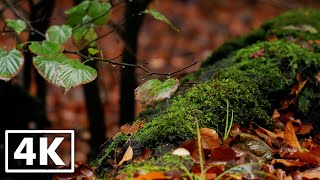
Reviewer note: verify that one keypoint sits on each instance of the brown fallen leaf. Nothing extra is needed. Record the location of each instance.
(222, 153)
(288, 162)
(127, 156)
(305, 129)
(290, 137)
(152, 176)
(257, 54)
(130, 130)
(210, 138)
(305, 156)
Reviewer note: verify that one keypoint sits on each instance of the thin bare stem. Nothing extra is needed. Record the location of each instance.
(14, 10)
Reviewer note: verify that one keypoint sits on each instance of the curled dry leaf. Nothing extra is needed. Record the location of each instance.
(210, 138)
(290, 137)
(257, 54)
(127, 156)
(130, 130)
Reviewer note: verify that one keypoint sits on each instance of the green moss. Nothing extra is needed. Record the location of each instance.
(229, 47)
(165, 163)
(301, 23)
(207, 102)
(110, 148)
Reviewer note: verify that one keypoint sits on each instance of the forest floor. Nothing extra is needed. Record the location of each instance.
(204, 25)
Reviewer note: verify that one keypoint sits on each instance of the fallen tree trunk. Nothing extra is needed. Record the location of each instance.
(275, 67)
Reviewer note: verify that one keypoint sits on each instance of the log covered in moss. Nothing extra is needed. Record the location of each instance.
(253, 75)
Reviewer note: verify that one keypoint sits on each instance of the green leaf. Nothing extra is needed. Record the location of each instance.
(63, 71)
(17, 25)
(101, 11)
(93, 51)
(77, 13)
(157, 15)
(155, 90)
(82, 36)
(10, 63)
(92, 9)
(59, 34)
(45, 48)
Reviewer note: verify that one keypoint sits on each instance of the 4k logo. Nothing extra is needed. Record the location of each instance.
(32, 149)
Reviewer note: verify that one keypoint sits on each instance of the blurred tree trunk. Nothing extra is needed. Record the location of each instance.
(128, 80)
(40, 14)
(95, 111)
(94, 107)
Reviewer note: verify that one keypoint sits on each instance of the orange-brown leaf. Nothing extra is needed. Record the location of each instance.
(128, 129)
(210, 138)
(290, 137)
(152, 176)
(305, 129)
(305, 156)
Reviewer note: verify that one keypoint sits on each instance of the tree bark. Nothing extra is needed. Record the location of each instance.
(95, 112)
(128, 80)
(39, 18)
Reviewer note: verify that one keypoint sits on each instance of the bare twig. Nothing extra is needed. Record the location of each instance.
(142, 67)
(14, 10)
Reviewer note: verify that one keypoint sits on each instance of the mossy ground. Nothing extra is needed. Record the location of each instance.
(253, 85)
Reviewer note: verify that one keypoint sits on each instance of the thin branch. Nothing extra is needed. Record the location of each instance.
(14, 10)
(142, 67)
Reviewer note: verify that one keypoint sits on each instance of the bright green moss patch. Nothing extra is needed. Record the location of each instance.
(166, 163)
(299, 23)
(303, 23)
(206, 102)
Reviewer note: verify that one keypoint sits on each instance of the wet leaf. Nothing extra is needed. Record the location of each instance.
(290, 137)
(155, 90)
(127, 156)
(210, 138)
(256, 145)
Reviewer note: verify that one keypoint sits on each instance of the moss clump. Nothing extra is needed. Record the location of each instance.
(165, 163)
(206, 102)
(110, 148)
(250, 85)
(299, 23)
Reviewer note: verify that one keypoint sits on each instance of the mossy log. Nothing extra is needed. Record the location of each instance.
(253, 74)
